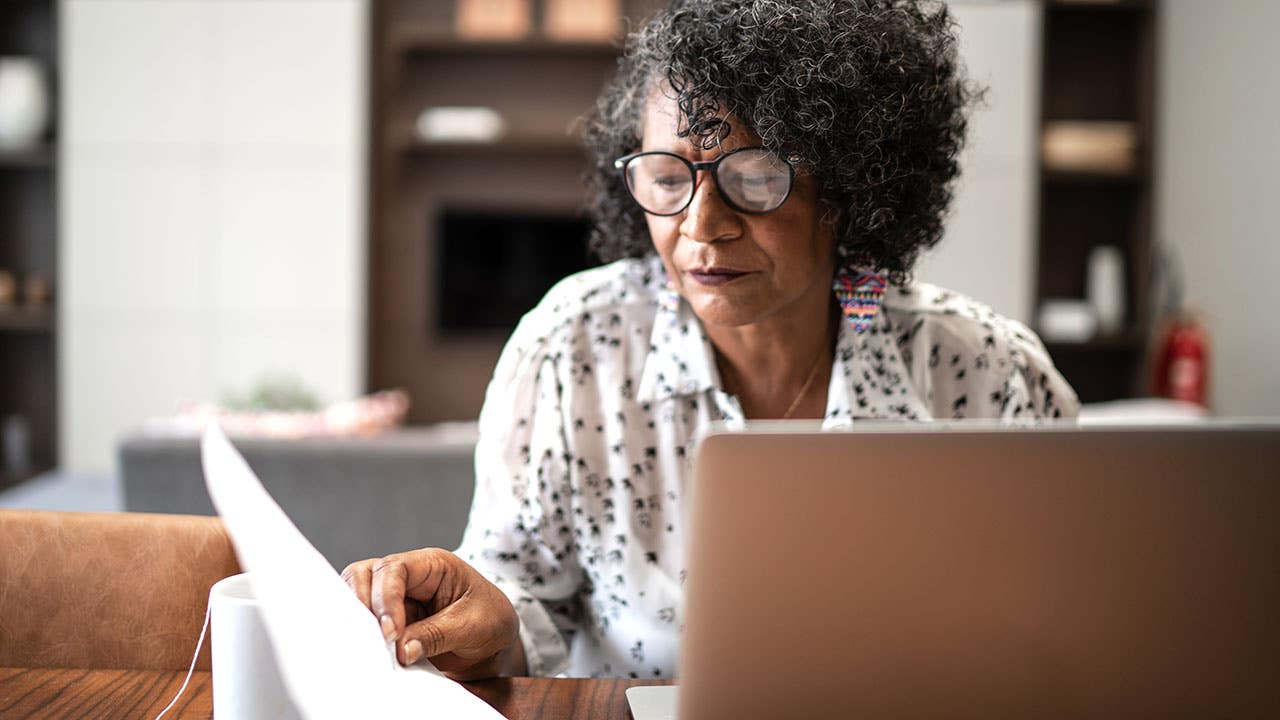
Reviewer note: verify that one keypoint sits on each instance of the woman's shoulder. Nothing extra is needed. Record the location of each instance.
(620, 283)
(598, 304)
(963, 318)
(960, 342)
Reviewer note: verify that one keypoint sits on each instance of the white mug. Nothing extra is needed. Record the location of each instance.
(246, 677)
(24, 102)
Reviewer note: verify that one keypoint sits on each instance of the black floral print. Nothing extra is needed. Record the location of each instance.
(589, 426)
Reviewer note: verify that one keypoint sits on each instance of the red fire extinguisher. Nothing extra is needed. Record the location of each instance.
(1182, 361)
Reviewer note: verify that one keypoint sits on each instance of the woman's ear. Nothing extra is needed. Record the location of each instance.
(829, 215)
(829, 220)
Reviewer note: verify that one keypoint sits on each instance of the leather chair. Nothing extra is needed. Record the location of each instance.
(107, 590)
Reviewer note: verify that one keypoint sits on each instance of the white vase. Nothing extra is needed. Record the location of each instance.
(1104, 287)
(24, 102)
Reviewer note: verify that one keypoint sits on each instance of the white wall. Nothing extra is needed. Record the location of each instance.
(1218, 184)
(989, 248)
(212, 206)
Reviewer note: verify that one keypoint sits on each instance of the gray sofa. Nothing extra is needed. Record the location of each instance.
(353, 498)
(368, 497)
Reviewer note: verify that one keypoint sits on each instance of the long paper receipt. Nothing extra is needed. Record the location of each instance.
(332, 657)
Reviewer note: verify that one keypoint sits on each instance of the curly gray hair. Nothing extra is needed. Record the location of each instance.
(867, 96)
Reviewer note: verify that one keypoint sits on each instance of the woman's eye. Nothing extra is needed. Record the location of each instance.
(670, 181)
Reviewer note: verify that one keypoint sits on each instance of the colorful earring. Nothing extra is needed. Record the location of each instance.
(669, 300)
(859, 294)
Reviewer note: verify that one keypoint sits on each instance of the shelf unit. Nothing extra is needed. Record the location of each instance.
(28, 233)
(26, 320)
(1099, 67)
(425, 38)
(41, 157)
(540, 86)
(510, 145)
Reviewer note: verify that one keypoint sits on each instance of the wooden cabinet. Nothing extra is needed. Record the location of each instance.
(1096, 188)
(530, 176)
(28, 249)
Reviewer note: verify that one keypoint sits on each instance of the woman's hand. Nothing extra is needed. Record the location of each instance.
(434, 605)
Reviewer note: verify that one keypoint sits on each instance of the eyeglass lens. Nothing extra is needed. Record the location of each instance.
(752, 180)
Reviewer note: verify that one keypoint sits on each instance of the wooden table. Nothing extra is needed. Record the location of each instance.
(133, 694)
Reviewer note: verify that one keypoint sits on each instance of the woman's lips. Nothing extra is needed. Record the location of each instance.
(715, 276)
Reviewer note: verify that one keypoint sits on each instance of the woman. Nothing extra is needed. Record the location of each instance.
(765, 174)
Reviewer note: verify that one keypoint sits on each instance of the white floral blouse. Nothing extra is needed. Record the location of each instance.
(587, 434)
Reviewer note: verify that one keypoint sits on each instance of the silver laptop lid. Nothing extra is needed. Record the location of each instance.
(984, 572)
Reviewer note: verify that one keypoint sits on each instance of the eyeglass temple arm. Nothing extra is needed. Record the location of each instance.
(699, 165)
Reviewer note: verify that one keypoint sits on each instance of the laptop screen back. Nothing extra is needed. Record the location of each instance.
(984, 573)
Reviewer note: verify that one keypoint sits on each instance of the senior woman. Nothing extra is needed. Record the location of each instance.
(765, 174)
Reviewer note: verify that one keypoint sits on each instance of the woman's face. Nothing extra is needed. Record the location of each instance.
(761, 267)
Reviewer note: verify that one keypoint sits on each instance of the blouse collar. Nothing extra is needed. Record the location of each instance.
(681, 362)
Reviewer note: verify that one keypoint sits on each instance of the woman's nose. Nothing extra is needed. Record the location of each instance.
(708, 219)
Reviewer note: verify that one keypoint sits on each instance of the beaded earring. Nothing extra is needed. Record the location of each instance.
(669, 300)
(859, 294)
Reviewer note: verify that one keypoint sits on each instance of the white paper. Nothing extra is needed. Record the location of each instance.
(332, 657)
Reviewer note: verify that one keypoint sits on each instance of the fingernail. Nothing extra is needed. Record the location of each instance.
(412, 652)
(388, 628)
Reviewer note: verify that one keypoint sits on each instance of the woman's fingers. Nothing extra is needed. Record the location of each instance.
(387, 594)
(358, 576)
(414, 575)
(469, 636)
(436, 635)
(434, 605)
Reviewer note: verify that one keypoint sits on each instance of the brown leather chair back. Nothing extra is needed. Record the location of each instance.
(107, 590)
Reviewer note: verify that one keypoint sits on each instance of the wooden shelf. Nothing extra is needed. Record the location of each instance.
(1099, 5)
(39, 157)
(540, 86)
(29, 245)
(503, 146)
(8, 479)
(1124, 341)
(1076, 177)
(431, 41)
(1098, 69)
(26, 320)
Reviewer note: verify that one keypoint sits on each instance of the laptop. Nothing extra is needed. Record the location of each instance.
(985, 572)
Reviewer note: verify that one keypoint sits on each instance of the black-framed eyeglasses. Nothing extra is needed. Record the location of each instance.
(750, 180)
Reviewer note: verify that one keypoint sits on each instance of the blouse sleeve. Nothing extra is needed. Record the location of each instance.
(1034, 390)
(975, 364)
(519, 531)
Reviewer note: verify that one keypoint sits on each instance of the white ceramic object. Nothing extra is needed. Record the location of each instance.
(246, 678)
(1067, 321)
(1104, 286)
(24, 102)
(460, 124)
(16, 433)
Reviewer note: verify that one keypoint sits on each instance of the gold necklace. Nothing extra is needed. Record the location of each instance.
(813, 373)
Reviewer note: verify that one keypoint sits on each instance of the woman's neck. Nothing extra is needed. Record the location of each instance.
(781, 366)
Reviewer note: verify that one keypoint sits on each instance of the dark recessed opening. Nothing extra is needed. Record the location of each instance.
(495, 266)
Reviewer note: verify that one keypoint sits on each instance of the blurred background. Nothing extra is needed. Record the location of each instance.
(270, 211)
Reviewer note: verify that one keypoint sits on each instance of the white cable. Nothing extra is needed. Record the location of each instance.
(190, 670)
